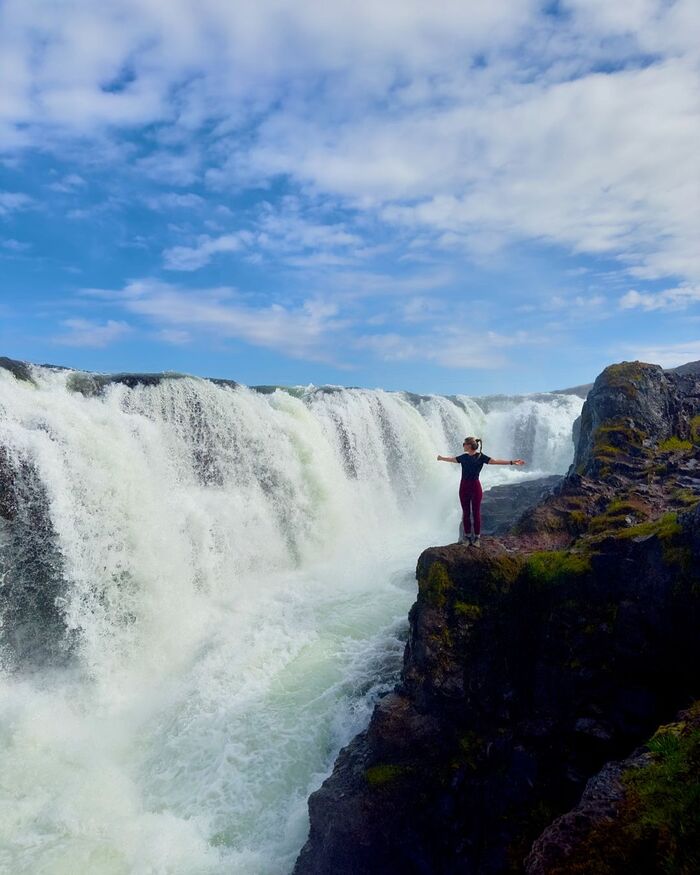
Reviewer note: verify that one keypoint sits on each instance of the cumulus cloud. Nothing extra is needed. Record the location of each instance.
(344, 132)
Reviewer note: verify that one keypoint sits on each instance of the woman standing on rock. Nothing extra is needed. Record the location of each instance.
(472, 461)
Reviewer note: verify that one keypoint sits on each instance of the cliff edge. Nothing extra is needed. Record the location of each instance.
(536, 667)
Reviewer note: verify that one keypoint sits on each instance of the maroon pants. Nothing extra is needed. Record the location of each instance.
(470, 493)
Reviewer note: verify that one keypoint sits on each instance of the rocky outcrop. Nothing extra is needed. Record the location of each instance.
(505, 505)
(535, 661)
(19, 370)
(640, 815)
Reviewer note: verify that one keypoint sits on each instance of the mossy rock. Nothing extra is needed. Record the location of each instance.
(551, 567)
(615, 438)
(386, 773)
(695, 430)
(619, 514)
(468, 611)
(686, 498)
(628, 376)
(658, 824)
(674, 444)
(436, 585)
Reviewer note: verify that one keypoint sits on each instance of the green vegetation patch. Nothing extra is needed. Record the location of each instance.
(619, 513)
(616, 437)
(554, 566)
(685, 497)
(468, 611)
(665, 527)
(674, 444)
(437, 584)
(657, 828)
(470, 750)
(385, 773)
(695, 429)
(626, 376)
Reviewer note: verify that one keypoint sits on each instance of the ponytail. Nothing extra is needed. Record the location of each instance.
(474, 442)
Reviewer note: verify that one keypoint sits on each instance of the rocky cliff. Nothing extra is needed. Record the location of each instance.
(540, 663)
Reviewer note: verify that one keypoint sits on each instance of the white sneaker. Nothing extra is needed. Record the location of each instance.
(476, 542)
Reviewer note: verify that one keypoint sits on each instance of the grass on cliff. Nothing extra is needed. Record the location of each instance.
(657, 828)
(548, 567)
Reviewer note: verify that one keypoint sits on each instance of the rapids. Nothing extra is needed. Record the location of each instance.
(203, 589)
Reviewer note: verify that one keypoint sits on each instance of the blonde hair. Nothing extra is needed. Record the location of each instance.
(474, 442)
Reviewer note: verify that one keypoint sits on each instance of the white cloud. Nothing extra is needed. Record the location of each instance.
(189, 258)
(678, 298)
(472, 125)
(447, 347)
(306, 330)
(666, 355)
(68, 184)
(175, 336)
(15, 245)
(11, 201)
(83, 332)
(173, 201)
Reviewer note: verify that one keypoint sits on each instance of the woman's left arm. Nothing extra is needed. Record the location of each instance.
(506, 462)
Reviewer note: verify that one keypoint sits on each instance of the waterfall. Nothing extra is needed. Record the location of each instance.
(203, 590)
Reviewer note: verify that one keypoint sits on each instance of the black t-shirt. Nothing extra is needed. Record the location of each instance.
(472, 465)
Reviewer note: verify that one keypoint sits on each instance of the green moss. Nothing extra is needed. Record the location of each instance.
(553, 566)
(442, 639)
(437, 585)
(385, 773)
(470, 749)
(664, 798)
(675, 444)
(695, 429)
(468, 611)
(685, 497)
(657, 827)
(615, 438)
(579, 520)
(504, 570)
(626, 376)
(617, 513)
(665, 528)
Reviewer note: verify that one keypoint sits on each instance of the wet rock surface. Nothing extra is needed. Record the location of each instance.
(503, 506)
(533, 662)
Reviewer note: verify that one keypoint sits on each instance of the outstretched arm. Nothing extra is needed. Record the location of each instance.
(446, 459)
(506, 462)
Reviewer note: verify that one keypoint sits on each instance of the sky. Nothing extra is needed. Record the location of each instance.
(450, 197)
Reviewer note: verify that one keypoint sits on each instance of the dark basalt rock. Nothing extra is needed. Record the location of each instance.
(533, 662)
(639, 815)
(503, 506)
(90, 384)
(19, 370)
(31, 571)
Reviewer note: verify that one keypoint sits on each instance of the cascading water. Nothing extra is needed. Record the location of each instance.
(204, 588)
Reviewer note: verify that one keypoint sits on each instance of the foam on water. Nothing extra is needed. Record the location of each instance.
(233, 572)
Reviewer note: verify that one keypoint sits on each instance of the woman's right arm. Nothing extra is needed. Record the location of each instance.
(446, 459)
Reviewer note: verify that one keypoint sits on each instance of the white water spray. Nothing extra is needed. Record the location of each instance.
(228, 574)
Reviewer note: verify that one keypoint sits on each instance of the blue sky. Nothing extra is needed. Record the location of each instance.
(445, 197)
